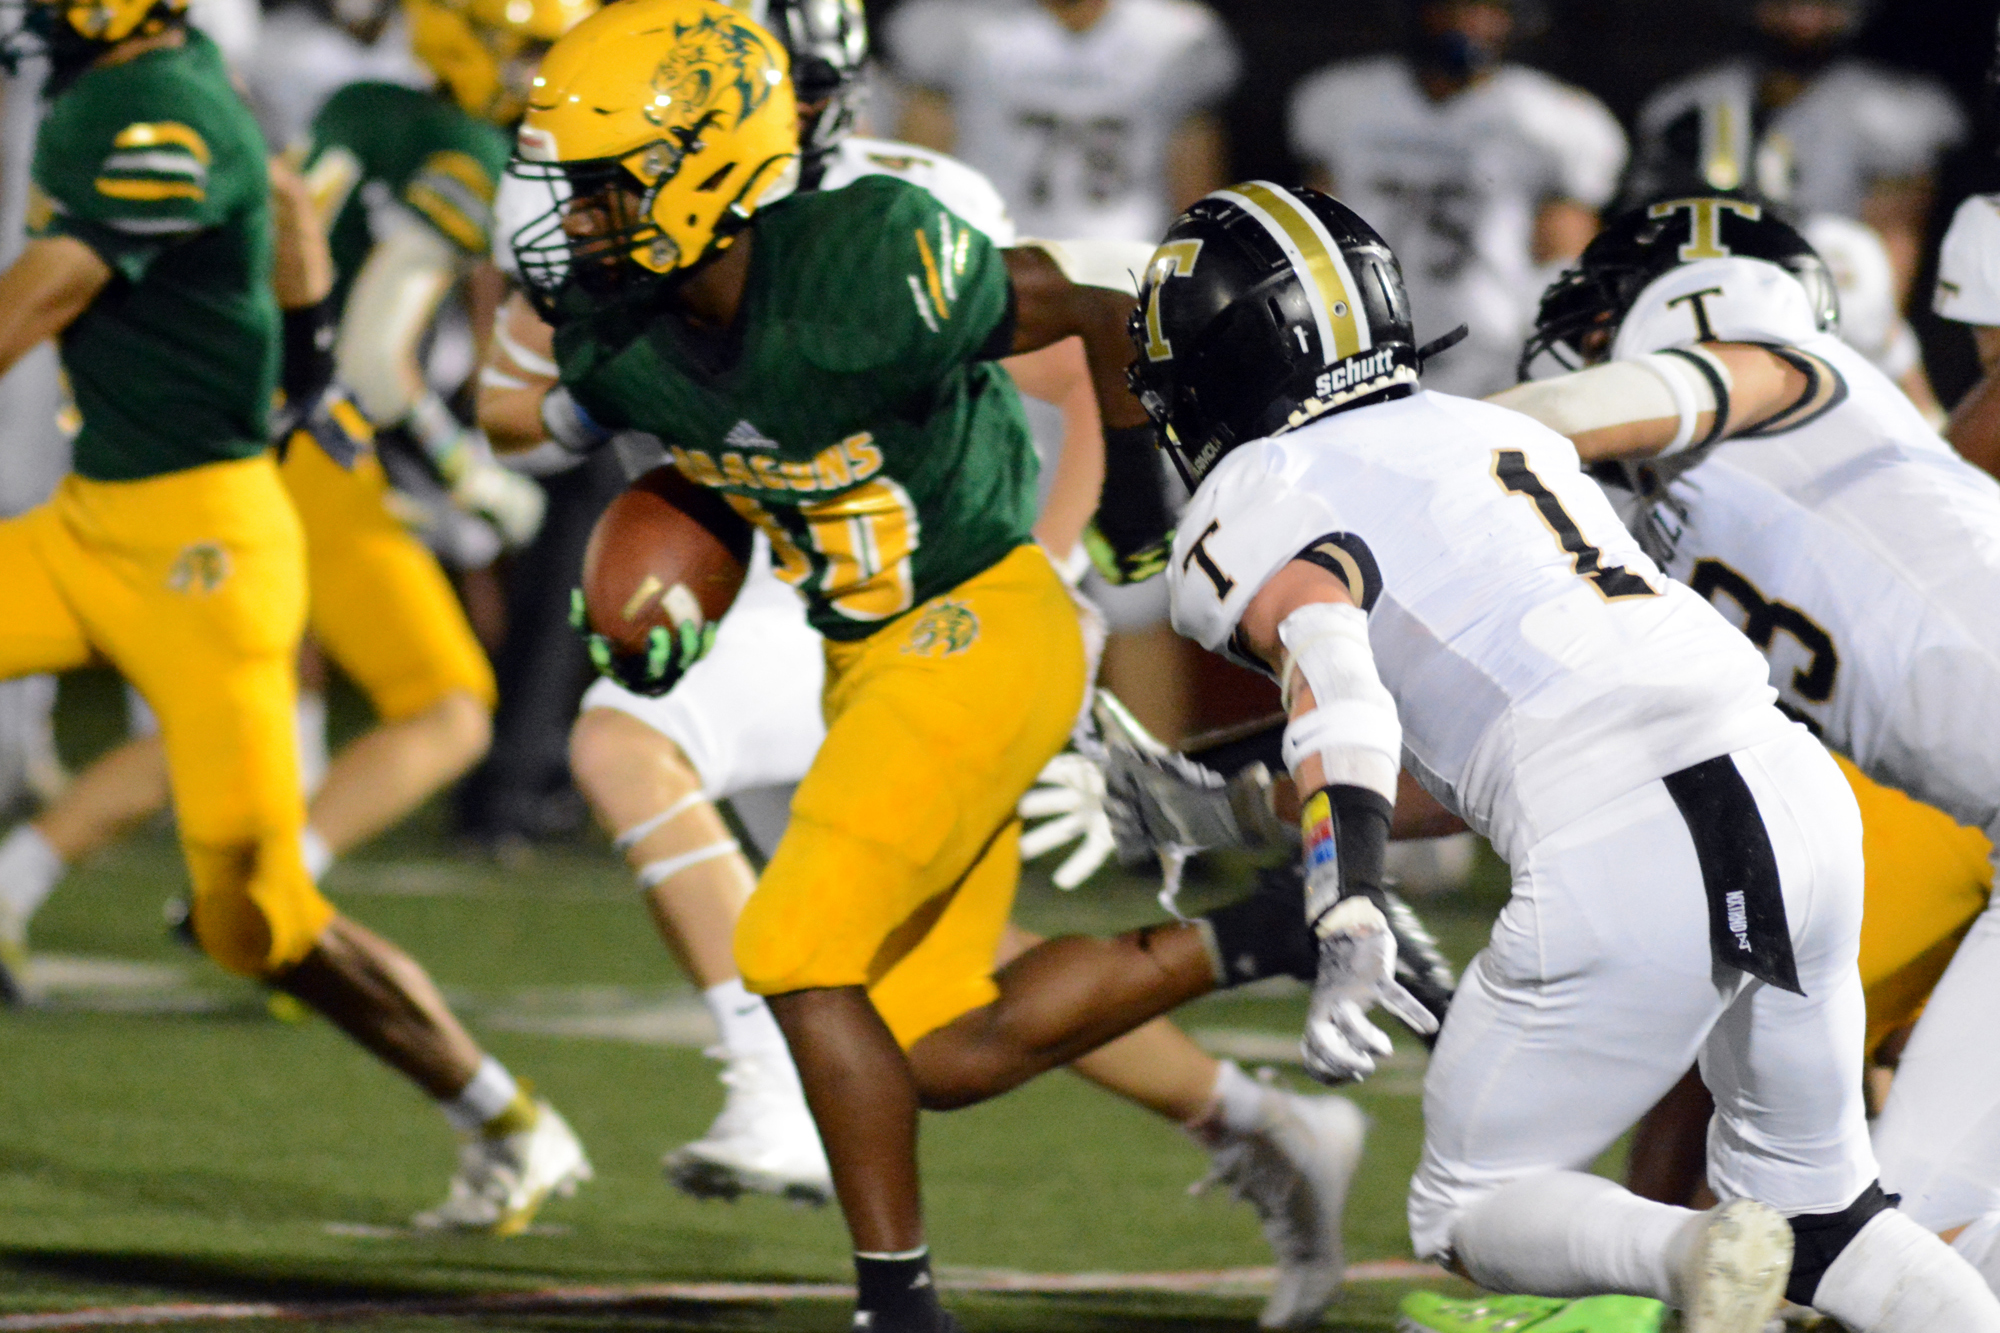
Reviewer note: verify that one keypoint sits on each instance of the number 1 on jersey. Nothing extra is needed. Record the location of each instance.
(1511, 470)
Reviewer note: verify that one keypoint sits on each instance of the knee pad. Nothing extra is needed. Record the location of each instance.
(254, 912)
(1818, 1239)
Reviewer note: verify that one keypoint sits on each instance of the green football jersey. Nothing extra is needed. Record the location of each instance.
(158, 166)
(859, 421)
(381, 141)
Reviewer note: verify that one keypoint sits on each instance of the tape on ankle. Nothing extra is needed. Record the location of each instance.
(655, 873)
(637, 834)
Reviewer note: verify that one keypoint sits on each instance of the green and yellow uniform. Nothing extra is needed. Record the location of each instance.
(380, 604)
(171, 551)
(855, 416)
(414, 147)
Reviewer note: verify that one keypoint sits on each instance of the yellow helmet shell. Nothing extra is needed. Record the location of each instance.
(690, 97)
(485, 51)
(114, 20)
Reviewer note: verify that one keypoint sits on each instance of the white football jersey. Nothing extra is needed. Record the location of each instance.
(1968, 282)
(1539, 660)
(1072, 127)
(1862, 556)
(949, 181)
(1455, 187)
(1854, 125)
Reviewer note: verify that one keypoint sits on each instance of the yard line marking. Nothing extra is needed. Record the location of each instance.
(998, 1281)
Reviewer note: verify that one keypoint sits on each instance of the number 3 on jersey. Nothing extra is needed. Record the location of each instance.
(864, 537)
(1613, 582)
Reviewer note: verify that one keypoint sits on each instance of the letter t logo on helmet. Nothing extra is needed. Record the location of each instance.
(1265, 307)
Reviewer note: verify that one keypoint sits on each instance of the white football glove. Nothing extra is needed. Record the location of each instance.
(1357, 970)
(1069, 798)
(512, 503)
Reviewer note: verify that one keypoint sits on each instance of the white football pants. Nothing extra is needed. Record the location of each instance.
(1598, 990)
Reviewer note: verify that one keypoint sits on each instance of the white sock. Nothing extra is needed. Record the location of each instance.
(309, 722)
(743, 1020)
(318, 856)
(1571, 1234)
(29, 871)
(1979, 1245)
(1896, 1277)
(491, 1091)
(1235, 1107)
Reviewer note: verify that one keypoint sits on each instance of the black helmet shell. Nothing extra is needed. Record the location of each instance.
(1264, 307)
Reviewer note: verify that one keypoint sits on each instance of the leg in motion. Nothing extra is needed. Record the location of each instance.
(695, 880)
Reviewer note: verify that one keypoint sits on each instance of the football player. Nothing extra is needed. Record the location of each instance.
(1095, 118)
(1479, 172)
(1786, 479)
(1968, 292)
(1798, 120)
(953, 659)
(174, 552)
(1436, 582)
(379, 604)
(745, 722)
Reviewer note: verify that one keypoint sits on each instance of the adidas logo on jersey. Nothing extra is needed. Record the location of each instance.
(743, 435)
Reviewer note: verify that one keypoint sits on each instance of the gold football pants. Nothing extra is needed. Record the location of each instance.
(1928, 878)
(898, 869)
(379, 603)
(192, 585)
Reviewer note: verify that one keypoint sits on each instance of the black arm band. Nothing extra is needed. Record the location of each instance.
(308, 356)
(1133, 512)
(1360, 820)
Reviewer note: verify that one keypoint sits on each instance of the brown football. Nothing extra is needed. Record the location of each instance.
(664, 552)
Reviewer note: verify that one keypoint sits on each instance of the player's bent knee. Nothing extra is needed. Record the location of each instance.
(464, 726)
(255, 912)
(1818, 1239)
(607, 747)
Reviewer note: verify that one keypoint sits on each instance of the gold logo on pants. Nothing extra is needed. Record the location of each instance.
(943, 629)
(200, 568)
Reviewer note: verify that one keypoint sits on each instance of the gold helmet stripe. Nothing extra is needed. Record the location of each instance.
(1329, 286)
(1721, 154)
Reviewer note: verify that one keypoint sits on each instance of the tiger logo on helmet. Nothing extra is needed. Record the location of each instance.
(656, 129)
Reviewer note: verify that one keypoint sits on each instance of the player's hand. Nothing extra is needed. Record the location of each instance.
(1069, 798)
(512, 503)
(655, 670)
(1357, 970)
(1120, 564)
(333, 424)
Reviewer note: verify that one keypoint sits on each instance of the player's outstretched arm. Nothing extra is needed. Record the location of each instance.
(1343, 745)
(53, 282)
(1665, 402)
(1064, 290)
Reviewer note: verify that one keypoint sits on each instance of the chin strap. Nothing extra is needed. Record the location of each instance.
(1442, 343)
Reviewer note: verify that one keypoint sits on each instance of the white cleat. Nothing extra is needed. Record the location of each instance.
(764, 1142)
(503, 1182)
(1294, 1170)
(1735, 1279)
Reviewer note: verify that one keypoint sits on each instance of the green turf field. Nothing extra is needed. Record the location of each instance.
(164, 1139)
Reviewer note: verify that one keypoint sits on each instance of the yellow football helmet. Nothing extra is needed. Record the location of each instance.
(658, 127)
(485, 51)
(74, 32)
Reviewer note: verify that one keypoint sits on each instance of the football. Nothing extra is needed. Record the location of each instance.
(666, 552)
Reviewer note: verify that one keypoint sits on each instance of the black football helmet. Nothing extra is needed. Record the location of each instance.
(1266, 306)
(1645, 242)
(828, 43)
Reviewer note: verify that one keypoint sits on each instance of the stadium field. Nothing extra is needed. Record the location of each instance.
(172, 1153)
